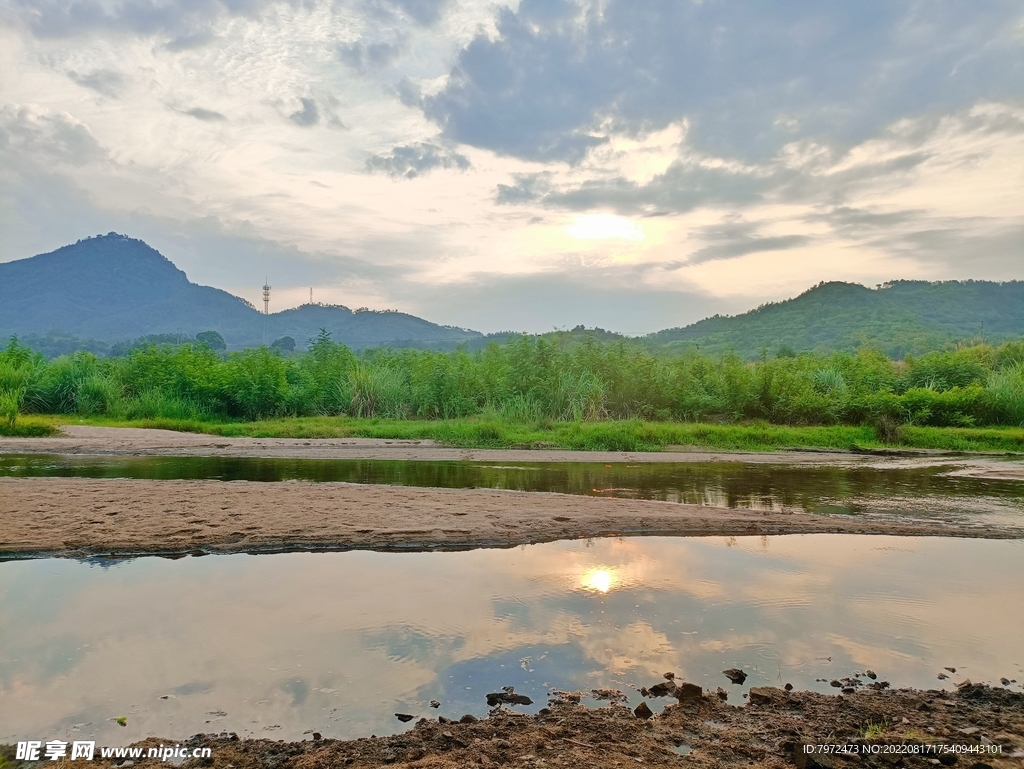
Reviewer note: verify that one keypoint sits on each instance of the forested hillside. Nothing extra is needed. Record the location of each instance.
(114, 288)
(899, 318)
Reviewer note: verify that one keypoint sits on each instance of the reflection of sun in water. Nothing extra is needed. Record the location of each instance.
(600, 579)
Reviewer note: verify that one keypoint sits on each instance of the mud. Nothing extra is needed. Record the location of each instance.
(976, 726)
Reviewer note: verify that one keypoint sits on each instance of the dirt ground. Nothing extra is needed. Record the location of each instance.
(976, 726)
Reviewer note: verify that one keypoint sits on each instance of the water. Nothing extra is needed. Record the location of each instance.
(276, 645)
(933, 491)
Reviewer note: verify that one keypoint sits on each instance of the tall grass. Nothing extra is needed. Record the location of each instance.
(530, 382)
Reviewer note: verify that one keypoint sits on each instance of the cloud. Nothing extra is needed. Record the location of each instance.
(736, 237)
(365, 57)
(208, 115)
(186, 21)
(424, 12)
(25, 129)
(307, 116)
(558, 76)
(414, 160)
(103, 81)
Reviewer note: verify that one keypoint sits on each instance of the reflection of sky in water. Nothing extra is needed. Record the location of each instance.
(338, 642)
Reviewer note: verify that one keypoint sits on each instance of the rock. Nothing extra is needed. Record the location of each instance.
(507, 696)
(942, 676)
(951, 670)
(443, 720)
(669, 676)
(788, 687)
(723, 695)
(766, 695)
(468, 719)
(735, 675)
(688, 692)
(1004, 681)
(849, 690)
(964, 684)
(835, 683)
(870, 674)
(643, 711)
(662, 690)
(317, 736)
(435, 704)
(404, 717)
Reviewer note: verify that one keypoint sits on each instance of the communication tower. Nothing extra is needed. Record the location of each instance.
(266, 308)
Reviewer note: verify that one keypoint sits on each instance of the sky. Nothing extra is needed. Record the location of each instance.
(628, 164)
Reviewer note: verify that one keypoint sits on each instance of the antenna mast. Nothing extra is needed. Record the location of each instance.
(266, 308)
(311, 295)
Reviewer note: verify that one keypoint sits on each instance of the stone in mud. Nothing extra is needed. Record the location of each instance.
(507, 696)
(1004, 681)
(669, 676)
(942, 676)
(951, 670)
(788, 687)
(723, 695)
(404, 717)
(468, 719)
(735, 675)
(661, 690)
(835, 683)
(643, 711)
(871, 674)
(435, 704)
(766, 695)
(688, 692)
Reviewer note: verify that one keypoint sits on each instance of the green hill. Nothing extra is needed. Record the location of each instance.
(900, 318)
(114, 288)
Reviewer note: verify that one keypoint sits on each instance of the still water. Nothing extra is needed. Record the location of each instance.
(274, 645)
(931, 491)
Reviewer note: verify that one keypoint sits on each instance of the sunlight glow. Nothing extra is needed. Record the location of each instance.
(604, 226)
(600, 580)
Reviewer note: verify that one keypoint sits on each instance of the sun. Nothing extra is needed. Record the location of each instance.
(600, 580)
(603, 227)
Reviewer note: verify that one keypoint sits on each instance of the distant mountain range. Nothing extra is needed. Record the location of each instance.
(112, 289)
(899, 318)
(115, 288)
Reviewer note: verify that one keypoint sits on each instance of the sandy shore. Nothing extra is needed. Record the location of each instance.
(80, 516)
(977, 727)
(129, 441)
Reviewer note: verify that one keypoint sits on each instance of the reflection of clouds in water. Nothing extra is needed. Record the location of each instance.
(334, 641)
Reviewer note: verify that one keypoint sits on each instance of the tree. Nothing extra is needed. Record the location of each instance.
(212, 339)
(284, 344)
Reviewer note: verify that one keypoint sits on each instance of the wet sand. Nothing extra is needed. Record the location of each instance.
(130, 441)
(82, 517)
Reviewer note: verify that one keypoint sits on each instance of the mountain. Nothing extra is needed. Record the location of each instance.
(899, 318)
(115, 288)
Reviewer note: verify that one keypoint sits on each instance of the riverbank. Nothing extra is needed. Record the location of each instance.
(975, 726)
(80, 517)
(607, 435)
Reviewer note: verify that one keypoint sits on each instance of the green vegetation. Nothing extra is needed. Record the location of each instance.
(536, 392)
(905, 317)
